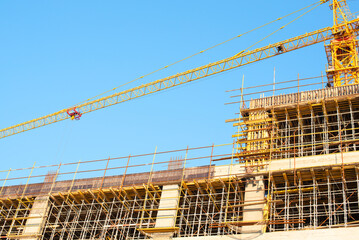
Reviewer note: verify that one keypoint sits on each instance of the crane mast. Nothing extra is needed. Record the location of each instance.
(342, 51)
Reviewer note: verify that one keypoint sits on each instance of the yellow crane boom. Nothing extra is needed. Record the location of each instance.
(235, 61)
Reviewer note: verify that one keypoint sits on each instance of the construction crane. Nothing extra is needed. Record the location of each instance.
(342, 54)
(342, 51)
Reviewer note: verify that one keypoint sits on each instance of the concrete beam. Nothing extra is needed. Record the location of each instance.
(288, 164)
(313, 161)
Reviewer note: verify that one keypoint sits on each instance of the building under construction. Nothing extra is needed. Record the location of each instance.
(291, 172)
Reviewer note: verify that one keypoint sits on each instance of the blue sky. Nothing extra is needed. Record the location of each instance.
(55, 54)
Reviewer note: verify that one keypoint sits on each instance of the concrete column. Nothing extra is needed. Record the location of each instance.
(37, 218)
(167, 218)
(253, 213)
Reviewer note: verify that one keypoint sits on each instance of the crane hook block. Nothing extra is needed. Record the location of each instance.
(74, 114)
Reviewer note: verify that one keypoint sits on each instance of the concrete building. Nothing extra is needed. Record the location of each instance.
(293, 173)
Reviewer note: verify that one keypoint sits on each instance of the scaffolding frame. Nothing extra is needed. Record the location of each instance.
(119, 198)
(290, 125)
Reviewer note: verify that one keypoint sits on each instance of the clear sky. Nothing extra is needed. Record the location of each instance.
(55, 54)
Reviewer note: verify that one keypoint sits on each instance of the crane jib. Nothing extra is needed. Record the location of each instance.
(238, 60)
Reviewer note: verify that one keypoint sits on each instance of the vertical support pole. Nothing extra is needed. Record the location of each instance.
(352, 124)
(315, 203)
(27, 182)
(286, 205)
(273, 208)
(73, 179)
(345, 211)
(329, 196)
(144, 206)
(124, 174)
(298, 100)
(334, 204)
(357, 181)
(104, 173)
(243, 101)
(325, 129)
(274, 83)
(312, 130)
(229, 186)
(311, 210)
(153, 162)
(54, 180)
(182, 180)
(3, 185)
(301, 204)
(210, 162)
(294, 162)
(287, 155)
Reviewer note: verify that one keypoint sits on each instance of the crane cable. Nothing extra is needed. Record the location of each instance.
(207, 49)
(279, 29)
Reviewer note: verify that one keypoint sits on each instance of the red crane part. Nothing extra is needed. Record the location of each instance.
(74, 114)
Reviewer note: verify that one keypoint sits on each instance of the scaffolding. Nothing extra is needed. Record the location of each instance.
(215, 190)
(315, 199)
(125, 206)
(306, 123)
